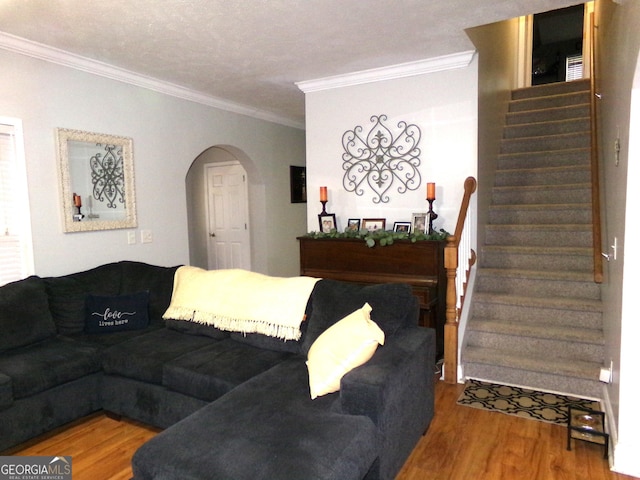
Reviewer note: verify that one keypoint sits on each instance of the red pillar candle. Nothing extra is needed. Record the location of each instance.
(77, 201)
(431, 191)
(323, 194)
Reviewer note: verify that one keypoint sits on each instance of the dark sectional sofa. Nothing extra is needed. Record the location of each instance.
(233, 406)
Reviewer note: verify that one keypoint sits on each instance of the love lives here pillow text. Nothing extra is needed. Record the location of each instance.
(107, 314)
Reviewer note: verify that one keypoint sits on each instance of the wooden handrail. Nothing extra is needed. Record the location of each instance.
(451, 266)
(595, 169)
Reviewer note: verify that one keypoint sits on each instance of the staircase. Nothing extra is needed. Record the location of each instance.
(536, 313)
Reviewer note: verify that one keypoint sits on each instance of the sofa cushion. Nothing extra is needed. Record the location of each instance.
(194, 328)
(46, 364)
(114, 313)
(267, 428)
(6, 391)
(106, 341)
(394, 306)
(212, 371)
(24, 313)
(342, 347)
(67, 295)
(143, 357)
(138, 276)
(265, 342)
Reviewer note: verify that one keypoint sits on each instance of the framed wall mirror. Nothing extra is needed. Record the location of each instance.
(97, 181)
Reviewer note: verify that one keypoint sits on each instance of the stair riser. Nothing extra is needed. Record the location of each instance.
(543, 144)
(575, 263)
(553, 101)
(579, 157)
(528, 217)
(541, 196)
(537, 287)
(534, 238)
(537, 346)
(548, 115)
(556, 88)
(509, 178)
(534, 380)
(539, 315)
(547, 128)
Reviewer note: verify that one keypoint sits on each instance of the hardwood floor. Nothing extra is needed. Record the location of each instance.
(462, 443)
(467, 443)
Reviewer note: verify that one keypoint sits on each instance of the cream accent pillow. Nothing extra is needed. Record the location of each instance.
(342, 347)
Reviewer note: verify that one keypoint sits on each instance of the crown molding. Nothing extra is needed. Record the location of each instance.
(77, 62)
(421, 67)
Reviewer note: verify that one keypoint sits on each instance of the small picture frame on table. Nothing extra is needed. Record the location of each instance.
(402, 227)
(419, 222)
(327, 222)
(374, 224)
(353, 225)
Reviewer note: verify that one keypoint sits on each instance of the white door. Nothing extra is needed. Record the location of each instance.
(228, 243)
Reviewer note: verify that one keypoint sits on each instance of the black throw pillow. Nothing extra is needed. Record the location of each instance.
(107, 314)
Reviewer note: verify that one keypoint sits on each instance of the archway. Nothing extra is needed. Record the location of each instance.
(195, 183)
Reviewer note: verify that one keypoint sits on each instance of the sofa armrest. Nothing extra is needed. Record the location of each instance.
(6, 391)
(396, 390)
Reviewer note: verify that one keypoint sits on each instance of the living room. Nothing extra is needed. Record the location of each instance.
(170, 129)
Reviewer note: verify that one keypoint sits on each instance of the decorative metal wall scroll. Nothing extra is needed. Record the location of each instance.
(381, 159)
(107, 175)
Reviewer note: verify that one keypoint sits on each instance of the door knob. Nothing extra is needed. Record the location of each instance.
(212, 234)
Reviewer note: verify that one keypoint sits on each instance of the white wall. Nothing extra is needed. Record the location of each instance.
(443, 104)
(168, 134)
(617, 76)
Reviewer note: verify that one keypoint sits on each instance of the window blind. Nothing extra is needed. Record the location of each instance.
(574, 67)
(15, 232)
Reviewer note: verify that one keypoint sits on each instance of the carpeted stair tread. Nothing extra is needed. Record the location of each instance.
(545, 194)
(555, 250)
(568, 186)
(529, 158)
(537, 274)
(546, 142)
(566, 112)
(579, 259)
(542, 206)
(558, 303)
(551, 227)
(539, 234)
(530, 170)
(581, 85)
(543, 176)
(546, 128)
(539, 330)
(544, 213)
(538, 363)
(542, 102)
(538, 283)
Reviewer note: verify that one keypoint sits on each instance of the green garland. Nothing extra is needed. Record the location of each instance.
(380, 237)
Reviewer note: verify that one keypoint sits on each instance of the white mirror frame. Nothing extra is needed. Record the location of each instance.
(73, 219)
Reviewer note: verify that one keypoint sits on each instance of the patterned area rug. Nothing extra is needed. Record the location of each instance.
(521, 402)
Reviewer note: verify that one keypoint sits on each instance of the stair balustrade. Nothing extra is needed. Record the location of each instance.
(459, 257)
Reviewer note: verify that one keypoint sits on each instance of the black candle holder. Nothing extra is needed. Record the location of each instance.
(324, 207)
(78, 216)
(432, 215)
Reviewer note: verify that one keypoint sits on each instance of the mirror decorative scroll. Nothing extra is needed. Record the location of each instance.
(98, 187)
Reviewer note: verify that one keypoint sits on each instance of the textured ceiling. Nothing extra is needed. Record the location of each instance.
(251, 52)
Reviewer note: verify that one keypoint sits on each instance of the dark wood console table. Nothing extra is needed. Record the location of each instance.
(419, 264)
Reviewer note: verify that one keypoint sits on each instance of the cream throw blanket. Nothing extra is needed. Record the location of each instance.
(241, 301)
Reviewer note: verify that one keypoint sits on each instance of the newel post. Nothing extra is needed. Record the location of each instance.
(451, 325)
